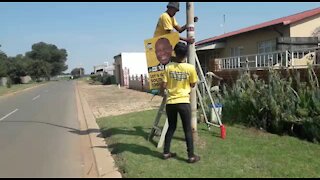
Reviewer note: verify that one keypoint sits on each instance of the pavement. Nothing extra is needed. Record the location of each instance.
(105, 163)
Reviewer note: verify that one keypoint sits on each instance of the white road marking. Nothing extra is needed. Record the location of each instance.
(8, 115)
(35, 97)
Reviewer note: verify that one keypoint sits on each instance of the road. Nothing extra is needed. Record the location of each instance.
(39, 133)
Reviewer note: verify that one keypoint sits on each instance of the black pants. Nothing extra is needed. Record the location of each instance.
(184, 110)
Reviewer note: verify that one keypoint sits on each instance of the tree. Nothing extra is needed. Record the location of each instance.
(51, 54)
(77, 72)
(38, 69)
(17, 67)
(3, 65)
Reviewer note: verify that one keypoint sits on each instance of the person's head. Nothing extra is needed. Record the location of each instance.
(163, 50)
(172, 8)
(181, 51)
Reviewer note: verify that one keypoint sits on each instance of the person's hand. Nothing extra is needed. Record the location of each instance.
(195, 19)
(190, 40)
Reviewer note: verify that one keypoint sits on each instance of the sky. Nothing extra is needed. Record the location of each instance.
(94, 32)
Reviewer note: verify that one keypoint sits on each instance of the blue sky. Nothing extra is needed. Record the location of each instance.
(93, 33)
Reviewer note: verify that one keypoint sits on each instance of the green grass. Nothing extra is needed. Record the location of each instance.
(17, 87)
(244, 153)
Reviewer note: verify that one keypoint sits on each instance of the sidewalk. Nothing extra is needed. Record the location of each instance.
(104, 162)
(109, 100)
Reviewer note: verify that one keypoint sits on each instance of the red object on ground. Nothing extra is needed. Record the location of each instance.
(223, 131)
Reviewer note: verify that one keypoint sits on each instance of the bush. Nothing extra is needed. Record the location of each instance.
(106, 79)
(281, 105)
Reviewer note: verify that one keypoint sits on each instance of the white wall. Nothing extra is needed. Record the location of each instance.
(109, 69)
(3, 81)
(136, 62)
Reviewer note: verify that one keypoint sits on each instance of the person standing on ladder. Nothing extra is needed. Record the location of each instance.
(179, 77)
(167, 22)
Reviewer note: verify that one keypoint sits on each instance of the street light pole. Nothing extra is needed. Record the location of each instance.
(191, 60)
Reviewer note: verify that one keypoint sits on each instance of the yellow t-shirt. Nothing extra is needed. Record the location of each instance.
(178, 77)
(165, 23)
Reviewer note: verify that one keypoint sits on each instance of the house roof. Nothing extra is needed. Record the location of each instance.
(284, 21)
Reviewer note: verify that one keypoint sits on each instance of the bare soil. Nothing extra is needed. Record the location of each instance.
(109, 100)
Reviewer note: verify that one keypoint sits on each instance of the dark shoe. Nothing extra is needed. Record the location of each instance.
(169, 155)
(194, 159)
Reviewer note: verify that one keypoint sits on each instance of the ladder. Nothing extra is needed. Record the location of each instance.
(157, 130)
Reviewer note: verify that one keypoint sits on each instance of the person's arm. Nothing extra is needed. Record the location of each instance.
(193, 77)
(189, 40)
(180, 29)
(192, 85)
(183, 28)
(163, 86)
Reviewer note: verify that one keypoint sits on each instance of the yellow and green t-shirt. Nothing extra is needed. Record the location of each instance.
(165, 23)
(178, 77)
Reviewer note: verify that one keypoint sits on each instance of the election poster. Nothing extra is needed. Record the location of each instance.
(159, 51)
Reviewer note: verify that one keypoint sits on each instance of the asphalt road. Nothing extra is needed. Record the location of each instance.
(39, 133)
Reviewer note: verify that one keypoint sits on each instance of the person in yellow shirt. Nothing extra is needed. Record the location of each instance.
(167, 22)
(179, 77)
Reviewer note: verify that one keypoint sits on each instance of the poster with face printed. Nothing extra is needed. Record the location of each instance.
(159, 51)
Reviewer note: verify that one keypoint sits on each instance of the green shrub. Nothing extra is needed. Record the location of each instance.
(106, 79)
(281, 105)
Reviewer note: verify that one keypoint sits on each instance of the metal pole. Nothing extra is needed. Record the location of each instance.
(191, 60)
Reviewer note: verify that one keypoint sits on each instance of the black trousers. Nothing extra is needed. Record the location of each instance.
(184, 110)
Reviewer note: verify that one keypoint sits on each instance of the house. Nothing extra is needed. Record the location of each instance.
(104, 68)
(127, 64)
(277, 43)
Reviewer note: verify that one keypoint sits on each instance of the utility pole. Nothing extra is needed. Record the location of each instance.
(191, 60)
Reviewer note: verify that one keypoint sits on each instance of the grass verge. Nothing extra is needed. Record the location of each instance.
(244, 153)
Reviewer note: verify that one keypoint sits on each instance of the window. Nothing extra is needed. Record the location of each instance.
(266, 46)
(236, 51)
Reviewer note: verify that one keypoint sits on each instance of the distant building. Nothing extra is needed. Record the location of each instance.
(105, 68)
(129, 64)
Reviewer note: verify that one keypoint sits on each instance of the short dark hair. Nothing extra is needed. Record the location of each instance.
(181, 50)
(162, 40)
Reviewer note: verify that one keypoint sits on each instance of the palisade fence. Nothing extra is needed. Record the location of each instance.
(139, 82)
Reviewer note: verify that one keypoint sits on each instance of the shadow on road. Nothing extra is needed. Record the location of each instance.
(72, 130)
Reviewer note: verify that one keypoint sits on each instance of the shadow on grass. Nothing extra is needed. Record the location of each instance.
(118, 148)
(138, 131)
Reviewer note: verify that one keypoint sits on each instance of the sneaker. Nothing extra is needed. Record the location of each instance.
(194, 159)
(169, 155)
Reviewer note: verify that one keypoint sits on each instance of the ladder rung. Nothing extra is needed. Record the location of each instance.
(157, 128)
